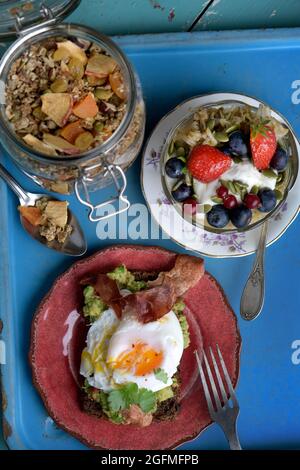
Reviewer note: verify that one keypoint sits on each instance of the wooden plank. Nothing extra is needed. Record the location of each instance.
(137, 16)
(241, 14)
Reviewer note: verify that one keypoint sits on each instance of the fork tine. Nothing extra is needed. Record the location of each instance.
(227, 377)
(212, 383)
(205, 387)
(220, 381)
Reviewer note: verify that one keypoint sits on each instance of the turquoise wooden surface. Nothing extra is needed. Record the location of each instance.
(138, 16)
(241, 14)
(151, 16)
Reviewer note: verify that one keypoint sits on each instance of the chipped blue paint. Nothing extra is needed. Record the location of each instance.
(138, 16)
(244, 14)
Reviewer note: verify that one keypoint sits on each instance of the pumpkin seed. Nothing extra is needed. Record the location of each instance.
(243, 193)
(216, 199)
(206, 208)
(188, 179)
(178, 143)
(278, 194)
(177, 184)
(232, 128)
(224, 183)
(180, 152)
(211, 124)
(231, 187)
(241, 188)
(269, 173)
(171, 148)
(238, 188)
(221, 136)
(254, 189)
(183, 159)
(280, 177)
(237, 159)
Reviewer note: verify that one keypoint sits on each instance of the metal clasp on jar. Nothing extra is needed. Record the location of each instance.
(46, 13)
(116, 173)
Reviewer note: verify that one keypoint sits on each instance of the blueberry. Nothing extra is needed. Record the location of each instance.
(237, 144)
(181, 193)
(268, 200)
(174, 167)
(279, 160)
(226, 150)
(240, 216)
(218, 216)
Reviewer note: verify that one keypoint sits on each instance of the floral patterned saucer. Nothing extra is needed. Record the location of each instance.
(183, 232)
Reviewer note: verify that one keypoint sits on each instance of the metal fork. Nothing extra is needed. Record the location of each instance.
(221, 412)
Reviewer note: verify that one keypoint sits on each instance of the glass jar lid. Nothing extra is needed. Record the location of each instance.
(15, 16)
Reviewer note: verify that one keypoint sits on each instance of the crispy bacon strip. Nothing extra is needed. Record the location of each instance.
(107, 289)
(153, 303)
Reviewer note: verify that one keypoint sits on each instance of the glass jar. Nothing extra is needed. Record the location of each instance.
(93, 169)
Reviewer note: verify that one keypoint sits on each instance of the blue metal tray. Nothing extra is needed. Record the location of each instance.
(174, 67)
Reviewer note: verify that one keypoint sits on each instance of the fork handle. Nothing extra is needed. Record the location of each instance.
(232, 437)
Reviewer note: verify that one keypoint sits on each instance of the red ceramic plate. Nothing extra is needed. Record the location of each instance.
(58, 338)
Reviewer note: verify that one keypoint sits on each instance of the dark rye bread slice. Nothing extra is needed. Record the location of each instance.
(56, 319)
(166, 409)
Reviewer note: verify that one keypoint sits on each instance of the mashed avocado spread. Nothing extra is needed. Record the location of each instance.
(94, 306)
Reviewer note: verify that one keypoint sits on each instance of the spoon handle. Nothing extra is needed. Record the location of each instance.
(254, 291)
(12, 183)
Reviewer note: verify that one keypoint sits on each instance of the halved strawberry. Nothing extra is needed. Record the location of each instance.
(207, 163)
(263, 145)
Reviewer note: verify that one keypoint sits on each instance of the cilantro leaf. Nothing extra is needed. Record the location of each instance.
(147, 400)
(116, 400)
(130, 393)
(161, 375)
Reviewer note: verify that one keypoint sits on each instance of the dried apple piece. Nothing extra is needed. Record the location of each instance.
(38, 145)
(86, 108)
(68, 49)
(57, 106)
(32, 214)
(57, 212)
(84, 141)
(95, 81)
(71, 131)
(58, 143)
(117, 84)
(100, 65)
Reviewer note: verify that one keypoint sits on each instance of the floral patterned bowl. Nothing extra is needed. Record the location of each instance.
(184, 232)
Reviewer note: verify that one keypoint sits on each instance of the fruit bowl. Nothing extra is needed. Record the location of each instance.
(239, 187)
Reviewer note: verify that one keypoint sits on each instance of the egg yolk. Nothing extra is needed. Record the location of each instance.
(142, 359)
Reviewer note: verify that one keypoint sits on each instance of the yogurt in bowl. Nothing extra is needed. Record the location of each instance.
(228, 166)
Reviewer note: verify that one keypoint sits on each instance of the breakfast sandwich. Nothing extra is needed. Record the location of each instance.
(136, 338)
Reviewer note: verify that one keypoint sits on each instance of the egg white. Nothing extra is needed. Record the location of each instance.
(108, 338)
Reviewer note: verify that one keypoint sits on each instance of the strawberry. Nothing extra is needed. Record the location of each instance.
(263, 145)
(207, 163)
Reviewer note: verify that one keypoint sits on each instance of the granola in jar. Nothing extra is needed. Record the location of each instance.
(65, 97)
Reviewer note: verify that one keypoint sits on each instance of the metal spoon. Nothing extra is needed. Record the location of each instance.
(253, 297)
(75, 244)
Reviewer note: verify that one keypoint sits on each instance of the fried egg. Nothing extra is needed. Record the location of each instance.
(122, 351)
